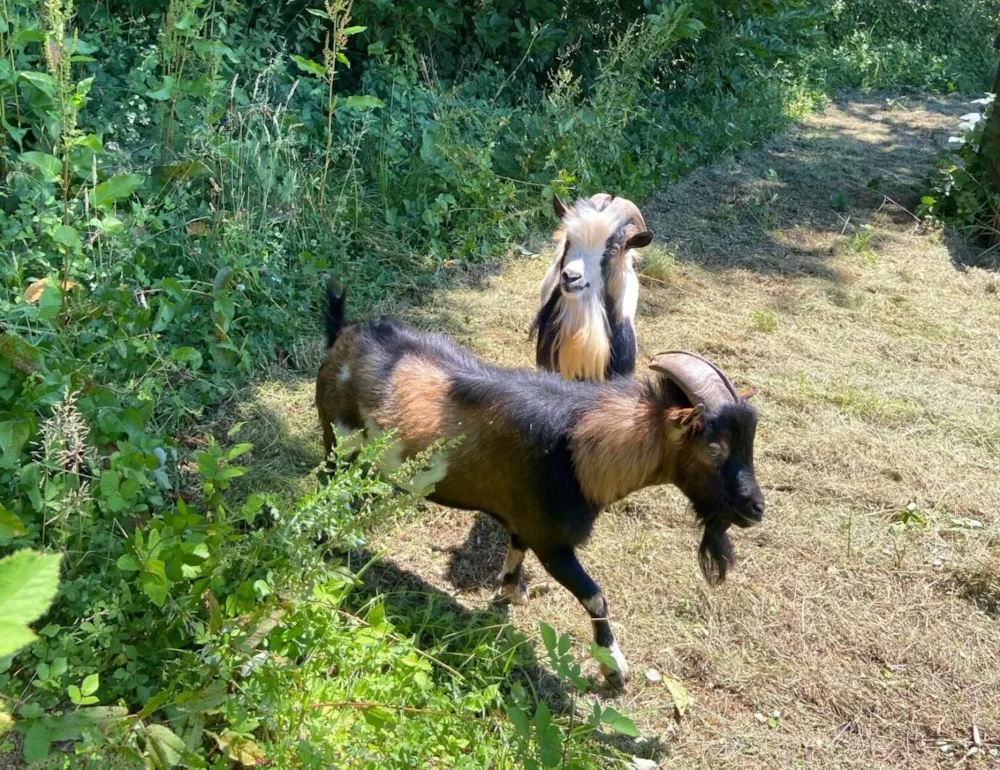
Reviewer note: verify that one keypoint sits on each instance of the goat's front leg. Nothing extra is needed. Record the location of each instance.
(512, 585)
(563, 565)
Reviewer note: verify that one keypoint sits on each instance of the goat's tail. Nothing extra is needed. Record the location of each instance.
(336, 299)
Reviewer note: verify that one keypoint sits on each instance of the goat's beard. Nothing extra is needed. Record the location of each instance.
(582, 343)
(715, 554)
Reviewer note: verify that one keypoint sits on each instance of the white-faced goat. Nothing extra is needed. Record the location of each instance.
(541, 454)
(586, 323)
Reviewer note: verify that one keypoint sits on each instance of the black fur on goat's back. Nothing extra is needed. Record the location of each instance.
(335, 311)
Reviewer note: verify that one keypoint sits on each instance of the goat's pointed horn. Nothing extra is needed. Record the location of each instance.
(630, 211)
(701, 380)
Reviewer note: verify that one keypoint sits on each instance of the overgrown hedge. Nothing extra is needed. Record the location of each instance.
(179, 175)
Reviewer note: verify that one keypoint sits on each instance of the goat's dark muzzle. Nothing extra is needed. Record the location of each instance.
(753, 512)
(572, 281)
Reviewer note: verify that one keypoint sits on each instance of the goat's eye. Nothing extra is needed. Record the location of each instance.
(714, 449)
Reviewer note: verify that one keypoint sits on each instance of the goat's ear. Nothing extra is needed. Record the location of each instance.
(746, 395)
(687, 418)
(558, 206)
(640, 240)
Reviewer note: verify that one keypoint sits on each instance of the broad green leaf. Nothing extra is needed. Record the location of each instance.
(14, 636)
(70, 727)
(17, 134)
(37, 742)
(353, 30)
(110, 481)
(603, 655)
(209, 698)
(165, 91)
(50, 302)
(43, 81)
(49, 165)
(307, 65)
(10, 525)
(90, 684)
(208, 465)
(237, 450)
(14, 435)
(520, 720)
(120, 186)
(362, 102)
(28, 584)
(189, 356)
(67, 236)
(548, 636)
(166, 744)
(619, 723)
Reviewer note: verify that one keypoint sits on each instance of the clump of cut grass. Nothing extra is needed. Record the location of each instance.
(657, 263)
(764, 320)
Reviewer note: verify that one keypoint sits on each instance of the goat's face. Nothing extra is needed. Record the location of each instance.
(714, 469)
(594, 248)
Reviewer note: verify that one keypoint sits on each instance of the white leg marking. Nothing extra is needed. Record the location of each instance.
(616, 653)
(595, 604)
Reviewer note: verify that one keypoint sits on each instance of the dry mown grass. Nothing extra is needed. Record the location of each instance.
(865, 610)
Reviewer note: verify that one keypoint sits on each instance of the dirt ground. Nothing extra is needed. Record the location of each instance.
(861, 628)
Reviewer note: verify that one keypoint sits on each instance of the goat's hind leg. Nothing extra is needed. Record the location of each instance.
(563, 565)
(512, 585)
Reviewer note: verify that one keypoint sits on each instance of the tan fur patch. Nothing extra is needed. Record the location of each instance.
(418, 404)
(618, 448)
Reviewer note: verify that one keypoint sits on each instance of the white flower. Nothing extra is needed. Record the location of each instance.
(955, 140)
(971, 117)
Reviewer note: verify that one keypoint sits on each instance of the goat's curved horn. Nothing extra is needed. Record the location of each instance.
(701, 380)
(631, 212)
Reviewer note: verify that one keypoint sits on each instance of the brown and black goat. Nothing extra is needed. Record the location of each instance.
(541, 454)
(586, 322)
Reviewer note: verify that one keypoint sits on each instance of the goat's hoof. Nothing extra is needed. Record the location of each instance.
(622, 675)
(513, 593)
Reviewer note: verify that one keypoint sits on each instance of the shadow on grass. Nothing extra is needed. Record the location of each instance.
(778, 210)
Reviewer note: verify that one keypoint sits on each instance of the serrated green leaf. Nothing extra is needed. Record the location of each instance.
(362, 102)
(49, 165)
(37, 743)
(120, 186)
(28, 584)
(14, 636)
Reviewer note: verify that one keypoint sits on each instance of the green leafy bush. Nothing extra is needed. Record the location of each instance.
(961, 194)
(179, 176)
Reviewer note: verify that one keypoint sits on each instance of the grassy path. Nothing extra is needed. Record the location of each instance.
(865, 614)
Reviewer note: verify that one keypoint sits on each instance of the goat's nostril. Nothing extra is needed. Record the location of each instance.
(571, 275)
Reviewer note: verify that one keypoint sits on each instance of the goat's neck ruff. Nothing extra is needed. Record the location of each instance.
(618, 445)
